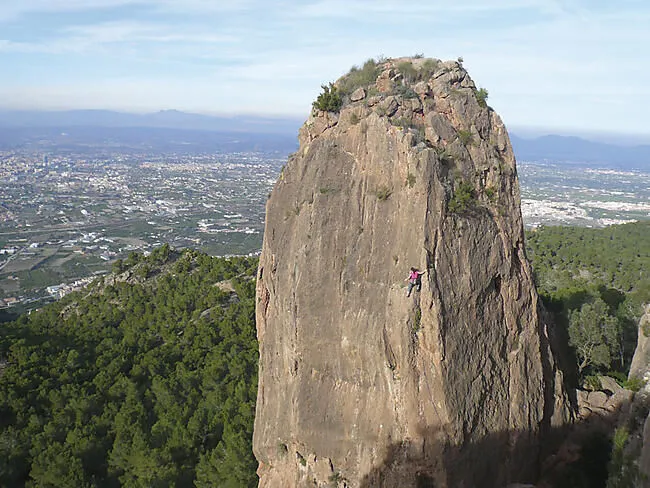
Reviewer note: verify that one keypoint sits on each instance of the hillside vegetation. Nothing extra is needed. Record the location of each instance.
(594, 281)
(148, 380)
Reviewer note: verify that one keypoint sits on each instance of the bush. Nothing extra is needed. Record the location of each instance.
(408, 124)
(301, 459)
(335, 477)
(417, 320)
(481, 97)
(413, 74)
(383, 192)
(465, 137)
(408, 71)
(410, 180)
(326, 190)
(359, 77)
(133, 259)
(592, 383)
(404, 122)
(283, 449)
(429, 67)
(329, 100)
(405, 92)
(118, 267)
(444, 155)
(623, 471)
(634, 384)
(620, 438)
(620, 378)
(463, 199)
(160, 255)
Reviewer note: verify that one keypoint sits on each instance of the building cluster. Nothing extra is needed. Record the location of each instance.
(70, 216)
(62, 289)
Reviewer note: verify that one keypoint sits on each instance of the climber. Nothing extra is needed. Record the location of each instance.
(414, 279)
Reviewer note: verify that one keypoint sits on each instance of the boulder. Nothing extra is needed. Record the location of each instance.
(385, 83)
(358, 94)
(372, 101)
(388, 106)
(609, 384)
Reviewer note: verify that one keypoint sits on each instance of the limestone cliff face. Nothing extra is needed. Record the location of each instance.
(640, 367)
(358, 384)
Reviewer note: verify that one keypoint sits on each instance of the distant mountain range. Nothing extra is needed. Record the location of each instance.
(196, 130)
(574, 150)
(169, 119)
(105, 131)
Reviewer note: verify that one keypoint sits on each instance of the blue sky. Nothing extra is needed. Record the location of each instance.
(574, 65)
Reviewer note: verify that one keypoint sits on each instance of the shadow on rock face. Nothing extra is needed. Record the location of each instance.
(497, 461)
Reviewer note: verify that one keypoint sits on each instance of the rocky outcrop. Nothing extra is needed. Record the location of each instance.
(640, 367)
(605, 405)
(358, 384)
(638, 422)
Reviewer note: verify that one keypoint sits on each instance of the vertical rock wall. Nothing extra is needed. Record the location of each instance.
(360, 385)
(640, 367)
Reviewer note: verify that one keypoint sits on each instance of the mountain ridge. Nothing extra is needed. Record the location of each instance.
(171, 119)
(573, 149)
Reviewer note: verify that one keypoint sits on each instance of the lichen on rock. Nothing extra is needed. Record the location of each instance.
(365, 387)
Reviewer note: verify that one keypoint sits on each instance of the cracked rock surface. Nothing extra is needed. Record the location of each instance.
(358, 384)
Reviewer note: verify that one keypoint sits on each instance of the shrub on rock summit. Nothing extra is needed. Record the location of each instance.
(360, 77)
(329, 100)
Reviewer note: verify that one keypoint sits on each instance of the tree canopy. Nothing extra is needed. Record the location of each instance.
(594, 281)
(147, 379)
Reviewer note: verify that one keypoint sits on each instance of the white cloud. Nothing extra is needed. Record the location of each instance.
(544, 62)
(360, 8)
(105, 38)
(131, 31)
(13, 9)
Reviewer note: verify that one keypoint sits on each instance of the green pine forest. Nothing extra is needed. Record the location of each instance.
(594, 282)
(149, 377)
(149, 381)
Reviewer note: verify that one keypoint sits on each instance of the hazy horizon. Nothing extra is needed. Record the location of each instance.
(524, 132)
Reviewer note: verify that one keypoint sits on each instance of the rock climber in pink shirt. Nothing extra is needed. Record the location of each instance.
(414, 279)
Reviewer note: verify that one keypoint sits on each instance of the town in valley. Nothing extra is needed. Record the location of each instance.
(67, 214)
